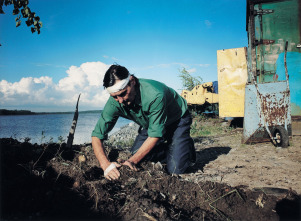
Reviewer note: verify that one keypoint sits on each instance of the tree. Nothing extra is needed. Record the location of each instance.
(188, 81)
(21, 8)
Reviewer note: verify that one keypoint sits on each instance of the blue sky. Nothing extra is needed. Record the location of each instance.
(80, 39)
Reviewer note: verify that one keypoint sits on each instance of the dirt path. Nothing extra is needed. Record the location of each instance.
(224, 159)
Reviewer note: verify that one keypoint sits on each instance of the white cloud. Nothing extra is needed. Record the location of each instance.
(112, 58)
(192, 70)
(77, 78)
(203, 65)
(208, 23)
(167, 65)
(52, 65)
(172, 64)
(85, 79)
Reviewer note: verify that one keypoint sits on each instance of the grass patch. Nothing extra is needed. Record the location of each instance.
(203, 126)
(121, 143)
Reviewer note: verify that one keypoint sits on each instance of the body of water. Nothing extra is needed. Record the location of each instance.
(46, 127)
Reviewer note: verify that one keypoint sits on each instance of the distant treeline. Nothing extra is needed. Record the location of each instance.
(27, 112)
(15, 112)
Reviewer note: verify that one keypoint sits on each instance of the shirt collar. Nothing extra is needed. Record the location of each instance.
(136, 105)
(137, 100)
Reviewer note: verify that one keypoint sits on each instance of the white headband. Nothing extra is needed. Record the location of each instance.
(119, 85)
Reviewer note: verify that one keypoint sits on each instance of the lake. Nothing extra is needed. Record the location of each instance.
(46, 127)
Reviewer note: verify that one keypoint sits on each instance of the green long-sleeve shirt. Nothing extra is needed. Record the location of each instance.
(155, 107)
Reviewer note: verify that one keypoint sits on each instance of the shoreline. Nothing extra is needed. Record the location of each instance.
(5, 112)
(120, 138)
(124, 137)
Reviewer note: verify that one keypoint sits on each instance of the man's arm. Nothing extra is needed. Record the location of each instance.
(146, 147)
(103, 160)
(157, 120)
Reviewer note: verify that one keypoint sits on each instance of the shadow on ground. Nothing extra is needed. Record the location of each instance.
(207, 155)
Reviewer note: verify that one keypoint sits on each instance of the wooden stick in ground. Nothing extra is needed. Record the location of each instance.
(73, 126)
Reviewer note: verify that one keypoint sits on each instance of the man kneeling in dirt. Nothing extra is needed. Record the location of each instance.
(163, 117)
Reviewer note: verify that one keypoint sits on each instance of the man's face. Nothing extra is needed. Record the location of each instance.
(127, 95)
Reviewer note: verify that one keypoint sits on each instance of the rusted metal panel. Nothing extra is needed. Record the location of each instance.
(272, 110)
(272, 32)
(271, 24)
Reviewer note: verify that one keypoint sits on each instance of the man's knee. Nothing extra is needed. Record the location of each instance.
(177, 169)
(178, 165)
(141, 137)
(181, 157)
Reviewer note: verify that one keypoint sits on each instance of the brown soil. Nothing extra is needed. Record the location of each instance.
(224, 159)
(51, 182)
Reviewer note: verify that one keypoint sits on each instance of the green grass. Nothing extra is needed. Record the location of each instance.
(122, 144)
(203, 127)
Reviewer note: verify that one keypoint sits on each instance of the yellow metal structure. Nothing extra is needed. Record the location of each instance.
(232, 78)
(200, 94)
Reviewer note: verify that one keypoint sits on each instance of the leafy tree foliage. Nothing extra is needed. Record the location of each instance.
(188, 81)
(21, 8)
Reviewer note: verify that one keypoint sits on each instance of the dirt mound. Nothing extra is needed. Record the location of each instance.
(49, 181)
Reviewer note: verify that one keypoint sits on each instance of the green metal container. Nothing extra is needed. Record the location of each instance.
(270, 23)
(273, 92)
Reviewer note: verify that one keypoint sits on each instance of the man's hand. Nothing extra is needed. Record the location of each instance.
(128, 163)
(111, 172)
(110, 169)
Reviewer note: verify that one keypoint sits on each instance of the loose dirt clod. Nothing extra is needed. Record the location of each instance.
(81, 158)
(259, 201)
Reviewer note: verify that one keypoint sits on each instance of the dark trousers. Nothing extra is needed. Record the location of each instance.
(176, 148)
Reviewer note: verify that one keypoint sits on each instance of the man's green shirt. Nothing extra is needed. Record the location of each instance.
(155, 107)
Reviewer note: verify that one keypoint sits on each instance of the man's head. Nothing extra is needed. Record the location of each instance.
(120, 84)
